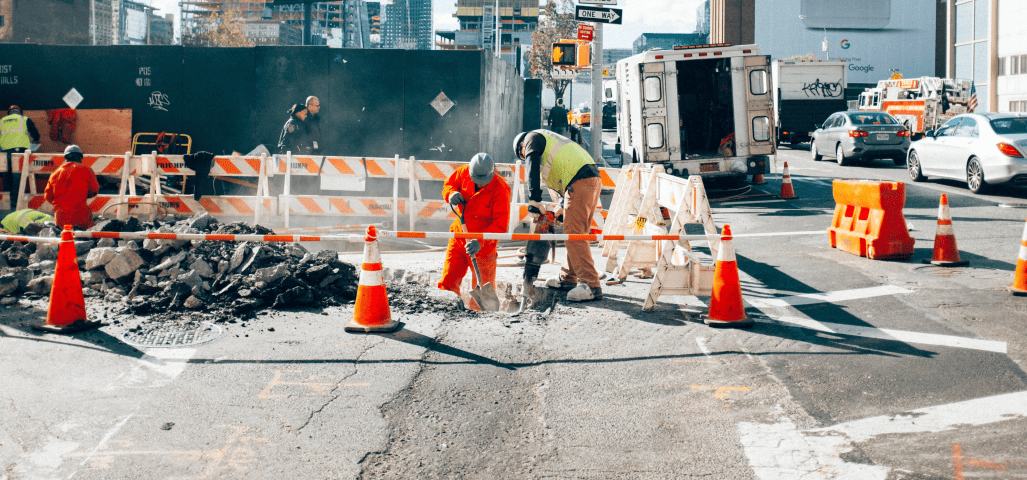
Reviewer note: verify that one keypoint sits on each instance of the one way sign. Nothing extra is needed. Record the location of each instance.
(598, 14)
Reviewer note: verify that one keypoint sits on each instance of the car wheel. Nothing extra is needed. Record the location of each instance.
(975, 176)
(839, 155)
(813, 151)
(913, 165)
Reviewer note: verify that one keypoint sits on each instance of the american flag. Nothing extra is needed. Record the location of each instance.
(972, 104)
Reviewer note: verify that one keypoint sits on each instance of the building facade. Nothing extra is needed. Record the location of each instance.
(339, 23)
(666, 41)
(512, 25)
(408, 25)
(50, 22)
(985, 42)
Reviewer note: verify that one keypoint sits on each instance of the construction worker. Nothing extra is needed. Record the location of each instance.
(15, 222)
(17, 134)
(294, 134)
(569, 172)
(68, 189)
(483, 198)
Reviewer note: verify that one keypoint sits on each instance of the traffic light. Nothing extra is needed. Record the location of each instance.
(565, 54)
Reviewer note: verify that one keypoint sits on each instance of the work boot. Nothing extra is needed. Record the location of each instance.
(584, 293)
(557, 283)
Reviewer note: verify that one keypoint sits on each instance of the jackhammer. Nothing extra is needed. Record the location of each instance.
(535, 255)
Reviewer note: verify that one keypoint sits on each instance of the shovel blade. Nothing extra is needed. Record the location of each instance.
(485, 296)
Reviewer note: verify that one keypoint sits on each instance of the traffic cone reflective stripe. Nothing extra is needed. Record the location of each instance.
(945, 251)
(726, 306)
(371, 312)
(1019, 286)
(67, 311)
(786, 184)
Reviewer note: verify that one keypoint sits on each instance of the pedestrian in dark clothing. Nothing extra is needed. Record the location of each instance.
(558, 118)
(313, 125)
(294, 134)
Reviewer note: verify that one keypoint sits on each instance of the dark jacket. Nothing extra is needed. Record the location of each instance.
(294, 138)
(557, 117)
(313, 131)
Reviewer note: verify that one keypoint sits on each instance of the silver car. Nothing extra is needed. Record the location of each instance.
(980, 149)
(859, 135)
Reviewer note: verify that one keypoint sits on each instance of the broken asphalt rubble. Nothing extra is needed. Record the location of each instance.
(226, 279)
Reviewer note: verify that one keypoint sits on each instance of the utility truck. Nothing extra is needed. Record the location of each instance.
(698, 110)
(806, 92)
(921, 104)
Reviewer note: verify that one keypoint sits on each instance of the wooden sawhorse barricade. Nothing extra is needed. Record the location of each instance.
(635, 210)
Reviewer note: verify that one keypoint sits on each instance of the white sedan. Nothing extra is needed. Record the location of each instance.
(980, 149)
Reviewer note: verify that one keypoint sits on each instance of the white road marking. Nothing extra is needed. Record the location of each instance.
(167, 363)
(702, 345)
(827, 297)
(782, 451)
(739, 202)
(103, 441)
(898, 335)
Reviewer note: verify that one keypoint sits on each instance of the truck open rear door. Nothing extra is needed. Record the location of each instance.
(654, 112)
(760, 106)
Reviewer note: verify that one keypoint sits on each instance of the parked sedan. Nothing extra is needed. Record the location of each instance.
(860, 136)
(980, 149)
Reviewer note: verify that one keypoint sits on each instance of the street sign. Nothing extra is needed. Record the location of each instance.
(599, 2)
(585, 32)
(598, 14)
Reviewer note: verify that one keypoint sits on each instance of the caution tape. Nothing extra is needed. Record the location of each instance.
(220, 238)
(16, 238)
(184, 205)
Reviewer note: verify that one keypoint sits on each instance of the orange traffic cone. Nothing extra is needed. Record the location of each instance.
(726, 308)
(787, 192)
(945, 252)
(758, 179)
(67, 312)
(371, 312)
(1019, 286)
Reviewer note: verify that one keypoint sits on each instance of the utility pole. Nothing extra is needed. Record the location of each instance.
(92, 20)
(596, 124)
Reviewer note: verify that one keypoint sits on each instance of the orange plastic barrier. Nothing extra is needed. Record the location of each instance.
(868, 220)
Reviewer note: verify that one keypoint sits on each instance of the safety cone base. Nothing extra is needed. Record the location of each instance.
(1018, 292)
(74, 327)
(354, 327)
(743, 323)
(793, 197)
(959, 263)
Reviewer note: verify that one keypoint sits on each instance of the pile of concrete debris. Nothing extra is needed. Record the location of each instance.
(229, 279)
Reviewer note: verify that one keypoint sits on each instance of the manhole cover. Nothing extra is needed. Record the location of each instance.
(963, 272)
(171, 336)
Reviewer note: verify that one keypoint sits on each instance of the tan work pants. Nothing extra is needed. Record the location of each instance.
(582, 197)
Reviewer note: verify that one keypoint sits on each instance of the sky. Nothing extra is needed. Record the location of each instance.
(640, 16)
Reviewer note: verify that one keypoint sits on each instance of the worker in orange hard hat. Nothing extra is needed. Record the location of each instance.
(483, 198)
(68, 189)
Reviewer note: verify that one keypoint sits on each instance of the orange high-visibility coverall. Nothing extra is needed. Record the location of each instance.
(486, 211)
(67, 190)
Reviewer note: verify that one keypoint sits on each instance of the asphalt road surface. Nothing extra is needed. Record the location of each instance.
(855, 369)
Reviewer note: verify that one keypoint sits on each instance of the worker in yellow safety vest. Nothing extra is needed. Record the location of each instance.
(17, 133)
(570, 173)
(15, 222)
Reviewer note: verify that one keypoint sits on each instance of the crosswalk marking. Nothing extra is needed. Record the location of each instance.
(827, 297)
(898, 335)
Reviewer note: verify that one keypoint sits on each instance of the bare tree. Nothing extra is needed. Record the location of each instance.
(222, 29)
(556, 22)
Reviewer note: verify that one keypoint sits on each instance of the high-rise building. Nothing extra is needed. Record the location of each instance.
(986, 41)
(516, 19)
(408, 25)
(702, 18)
(374, 23)
(338, 23)
(51, 22)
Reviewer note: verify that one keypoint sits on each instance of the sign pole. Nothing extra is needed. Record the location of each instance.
(596, 124)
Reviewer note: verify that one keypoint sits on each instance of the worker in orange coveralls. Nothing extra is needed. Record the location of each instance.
(484, 199)
(68, 189)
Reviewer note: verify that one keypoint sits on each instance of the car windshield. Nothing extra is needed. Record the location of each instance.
(872, 119)
(1006, 126)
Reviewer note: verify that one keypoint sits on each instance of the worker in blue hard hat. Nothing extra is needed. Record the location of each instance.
(483, 198)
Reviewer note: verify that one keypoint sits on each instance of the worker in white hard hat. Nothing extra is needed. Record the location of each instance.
(69, 188)
(568, 171)
(483, 198)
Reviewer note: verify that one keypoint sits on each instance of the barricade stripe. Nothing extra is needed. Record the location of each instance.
(240, 206)
(373, 168)
(36, 202)
(278, 238)
(310, 205)
(210, 206)
(607, 181)
(373, 207)
(115, 166)
(342, 206)
(227, 165)
(97, 204)
(371, 267)
(341, 165)
(434, 171)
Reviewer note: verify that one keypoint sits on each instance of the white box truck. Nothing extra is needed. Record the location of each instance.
(699, 110)
(806, 92)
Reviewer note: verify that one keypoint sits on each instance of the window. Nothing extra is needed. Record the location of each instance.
(758, 82)
(653, 89)
(1014, 65)
(964, 61)
(1, 20)
(981, 20)
(1016, 106)
(1002, 66)
(981, 62)
(964, 22)
(1007, 126)
(1023, 63)
(968, 128)
(872, 118)
(949, 128)
(761, 129)
(654, 132)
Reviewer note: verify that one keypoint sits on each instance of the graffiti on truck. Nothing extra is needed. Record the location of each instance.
(822, 89)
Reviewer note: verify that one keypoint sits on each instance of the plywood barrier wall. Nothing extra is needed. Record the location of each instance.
(99, 131)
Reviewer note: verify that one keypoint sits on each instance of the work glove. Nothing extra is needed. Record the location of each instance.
(473, 247)
(455, 199)
(535, 209)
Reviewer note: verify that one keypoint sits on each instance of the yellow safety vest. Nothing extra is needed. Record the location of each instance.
(561, 160)
(16, 221)
(14, 132)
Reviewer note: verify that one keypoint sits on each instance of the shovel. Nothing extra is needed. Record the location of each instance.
(484, 295)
